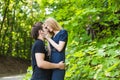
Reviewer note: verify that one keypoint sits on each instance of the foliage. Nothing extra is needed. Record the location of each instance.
(16, 19)
(28, 75)
(95, 60)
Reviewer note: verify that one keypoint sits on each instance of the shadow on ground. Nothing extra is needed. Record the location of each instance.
(12, 66)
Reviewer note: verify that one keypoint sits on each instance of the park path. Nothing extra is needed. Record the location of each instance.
(15, 77)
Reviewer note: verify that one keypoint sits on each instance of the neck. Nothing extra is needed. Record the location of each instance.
(55, 32)
(41, 38)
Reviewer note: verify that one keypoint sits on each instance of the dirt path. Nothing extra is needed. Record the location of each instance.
(16, 77)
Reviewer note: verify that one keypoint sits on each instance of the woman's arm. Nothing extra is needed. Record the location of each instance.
(62, 40)
(58, 46)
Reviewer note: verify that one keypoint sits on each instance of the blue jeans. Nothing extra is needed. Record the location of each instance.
(58, 74)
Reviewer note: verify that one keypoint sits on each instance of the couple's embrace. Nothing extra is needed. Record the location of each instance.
(48, 64)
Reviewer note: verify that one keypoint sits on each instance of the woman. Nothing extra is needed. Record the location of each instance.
(40, 61)
(58, 44)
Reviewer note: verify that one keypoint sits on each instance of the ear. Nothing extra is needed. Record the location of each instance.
(40, 31)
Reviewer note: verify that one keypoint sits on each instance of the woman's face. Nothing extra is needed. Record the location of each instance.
(48, 28)
(45, 29)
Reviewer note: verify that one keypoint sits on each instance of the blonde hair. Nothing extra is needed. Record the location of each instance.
(53, 24)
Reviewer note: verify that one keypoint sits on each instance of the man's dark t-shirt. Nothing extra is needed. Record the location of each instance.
(39, 73)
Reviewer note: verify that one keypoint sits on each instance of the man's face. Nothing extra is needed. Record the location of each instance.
(45, 28)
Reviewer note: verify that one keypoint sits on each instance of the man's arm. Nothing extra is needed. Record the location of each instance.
(41, 63)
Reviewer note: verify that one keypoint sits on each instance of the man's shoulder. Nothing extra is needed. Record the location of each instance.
(38, 42)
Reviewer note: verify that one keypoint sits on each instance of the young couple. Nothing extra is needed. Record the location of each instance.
(43, 67)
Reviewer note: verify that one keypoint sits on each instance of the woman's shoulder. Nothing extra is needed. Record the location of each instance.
(63, 31)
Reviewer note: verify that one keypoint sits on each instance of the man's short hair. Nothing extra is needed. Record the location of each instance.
(35, 28)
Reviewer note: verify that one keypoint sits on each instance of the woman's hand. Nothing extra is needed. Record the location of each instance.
(47, 36)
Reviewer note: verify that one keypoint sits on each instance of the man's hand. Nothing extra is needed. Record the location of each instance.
(61, 65)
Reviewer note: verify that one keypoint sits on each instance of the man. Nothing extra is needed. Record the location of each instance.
(40, 61)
